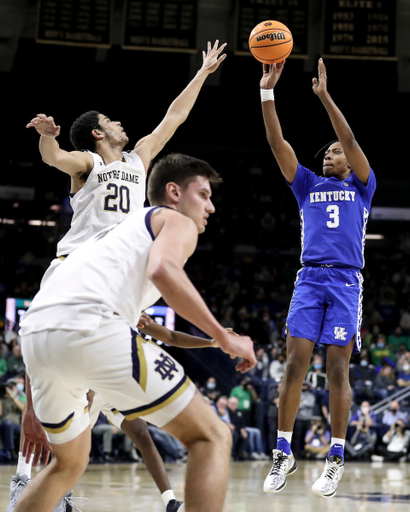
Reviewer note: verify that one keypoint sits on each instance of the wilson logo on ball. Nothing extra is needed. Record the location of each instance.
(274, 36)
(270, 41)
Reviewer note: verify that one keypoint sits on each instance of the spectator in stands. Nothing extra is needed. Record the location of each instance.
(236, 424)
(317, 440)
(246, 394)
(385, 382)
(363, 416)
(362, 443)
(381, 352)
(403, 378)
(303, 418)
(362, 376)
(15, 361)
(405, 321)
(11, 406)
(393, 414)
(254, 435)
(402, 359)
(211, 390)
(108, 431)
(261, 370)
(316, 375)
(277, 367)
(3, 368)
(273, 401)
(397, 440)
(240, 436)
(370, 339)
(397, 339)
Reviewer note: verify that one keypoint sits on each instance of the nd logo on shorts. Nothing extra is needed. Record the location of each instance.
(340, 333)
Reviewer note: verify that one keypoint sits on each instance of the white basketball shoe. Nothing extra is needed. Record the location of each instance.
(283, 465)
(326, 485)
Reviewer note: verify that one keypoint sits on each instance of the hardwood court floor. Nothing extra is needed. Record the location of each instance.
(375, 487)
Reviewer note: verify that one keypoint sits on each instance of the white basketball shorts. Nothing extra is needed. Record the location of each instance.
(135, 376)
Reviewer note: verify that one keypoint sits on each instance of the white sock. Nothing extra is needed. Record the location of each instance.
(22, 467)
(285, 435)
(167, 496)
(337, 440)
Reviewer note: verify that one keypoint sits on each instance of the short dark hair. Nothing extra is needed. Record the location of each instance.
(325, 148)
(80, 131)
(182, 170)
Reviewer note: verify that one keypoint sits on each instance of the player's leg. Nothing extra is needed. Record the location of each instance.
(137, 431)
(69, 461)
(340, 401)
(299, 353)
(341, 331)
(340, 392)
(209, 443)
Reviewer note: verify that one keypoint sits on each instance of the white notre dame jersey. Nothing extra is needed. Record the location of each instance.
(105, 275)
(109, 195)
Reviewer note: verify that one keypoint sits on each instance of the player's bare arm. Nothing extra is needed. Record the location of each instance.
(74, 163)
(175, 338)
(148, 147)
(165, 270)
(282, 150)
(354, 154)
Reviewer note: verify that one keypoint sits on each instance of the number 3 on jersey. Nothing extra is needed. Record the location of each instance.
(119, 198)
(333, 211)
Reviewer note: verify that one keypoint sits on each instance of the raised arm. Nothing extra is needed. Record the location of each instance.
(148, 147)
(73, 163)
(354, 154)
(282, 150)
(165, 270)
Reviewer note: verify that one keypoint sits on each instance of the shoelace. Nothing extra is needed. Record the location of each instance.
(277, 463)
(331, 472)
(70, 499)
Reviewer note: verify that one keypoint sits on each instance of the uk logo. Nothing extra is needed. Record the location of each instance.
(165, 367)
(340, 333)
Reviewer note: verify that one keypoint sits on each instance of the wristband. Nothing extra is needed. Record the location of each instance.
(267, 95)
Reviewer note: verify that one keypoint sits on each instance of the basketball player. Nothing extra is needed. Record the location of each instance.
(326, 306)
(107, 184)
(78, 335)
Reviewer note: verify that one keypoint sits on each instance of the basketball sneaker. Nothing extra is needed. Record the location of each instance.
(326, 485)
(283, 465)
(17, 485)
(174, 505)
(67, 503)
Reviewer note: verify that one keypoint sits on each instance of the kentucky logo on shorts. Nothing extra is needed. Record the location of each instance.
(165, 367)
(340, 333)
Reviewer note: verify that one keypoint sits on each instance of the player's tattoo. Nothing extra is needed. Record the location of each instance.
(164, 142)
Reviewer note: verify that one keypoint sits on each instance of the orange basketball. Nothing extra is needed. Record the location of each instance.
(270, 41)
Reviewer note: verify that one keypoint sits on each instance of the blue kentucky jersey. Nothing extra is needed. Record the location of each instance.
(333, 218)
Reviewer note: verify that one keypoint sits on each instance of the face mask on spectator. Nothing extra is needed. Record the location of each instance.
(20, 386)
(317, 366)
(380, 344)
(406, 367)
(211, 385)
(363, 362)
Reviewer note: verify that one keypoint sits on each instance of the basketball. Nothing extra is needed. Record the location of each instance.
(270, 41)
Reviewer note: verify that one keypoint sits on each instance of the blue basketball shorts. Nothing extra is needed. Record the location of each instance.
(326, 306)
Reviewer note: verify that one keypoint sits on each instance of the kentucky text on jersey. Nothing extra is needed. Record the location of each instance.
(332, 196)
(333, 218)
(118, 175)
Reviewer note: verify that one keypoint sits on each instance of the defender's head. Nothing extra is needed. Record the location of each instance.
(93, 127)
(334, 161)
(184, 183)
